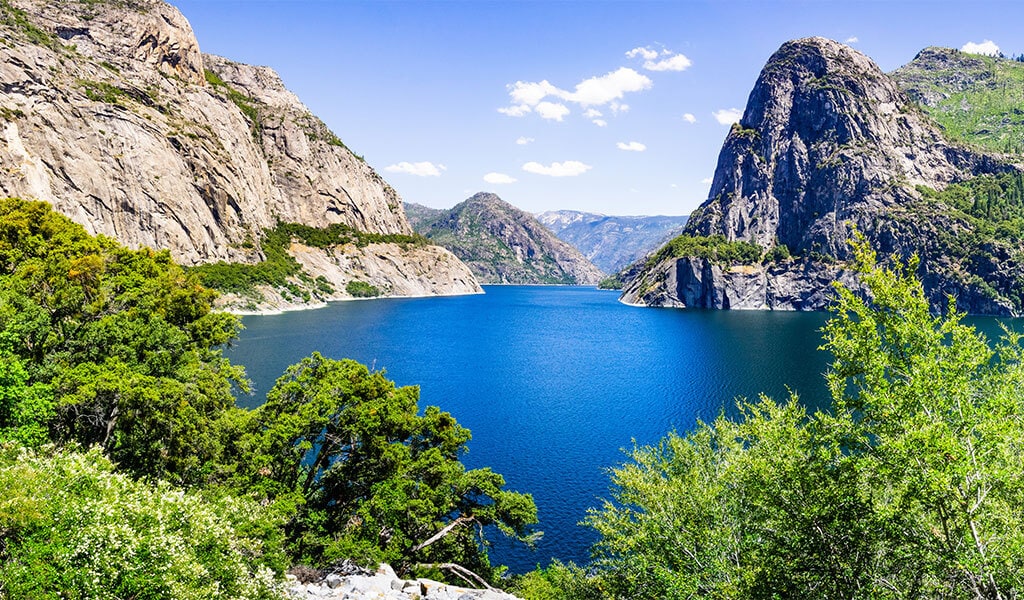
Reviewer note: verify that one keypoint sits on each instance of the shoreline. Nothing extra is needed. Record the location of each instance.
(323, 304)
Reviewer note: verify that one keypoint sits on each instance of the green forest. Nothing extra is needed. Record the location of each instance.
(128, 471)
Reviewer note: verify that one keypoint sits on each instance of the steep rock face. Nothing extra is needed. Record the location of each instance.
(692, 282)
(829, 143)
(110, 112)
(502, 244)
(611, 242)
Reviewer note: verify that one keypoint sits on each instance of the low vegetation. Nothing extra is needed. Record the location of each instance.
(280, 270)
(361, 289)
(982, 99)
(127, 471)
(714, 248)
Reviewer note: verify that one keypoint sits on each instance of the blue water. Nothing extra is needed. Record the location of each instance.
(554, 382)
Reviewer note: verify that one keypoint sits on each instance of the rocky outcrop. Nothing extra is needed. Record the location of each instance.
(385, 585)
(611, 242)
(502, 244)
(828, 144)
(109, 111)
(693, 282)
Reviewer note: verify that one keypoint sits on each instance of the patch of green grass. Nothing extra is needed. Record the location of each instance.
(279, 268)
(714, 248)
(361, 289)
(101, 91)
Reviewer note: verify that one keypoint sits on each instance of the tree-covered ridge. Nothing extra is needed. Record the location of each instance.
(989, 247)
(118, 351)
(976, 99)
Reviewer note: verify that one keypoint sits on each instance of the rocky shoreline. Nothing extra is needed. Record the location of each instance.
(350, 582)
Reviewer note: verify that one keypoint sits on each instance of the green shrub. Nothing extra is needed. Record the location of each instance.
(714, 248)
(361, 289)
(73, 528)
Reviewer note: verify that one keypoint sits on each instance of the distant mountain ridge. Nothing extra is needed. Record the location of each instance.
(503, 244)
(612, 242)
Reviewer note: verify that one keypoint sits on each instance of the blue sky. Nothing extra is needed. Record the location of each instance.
(416, 87)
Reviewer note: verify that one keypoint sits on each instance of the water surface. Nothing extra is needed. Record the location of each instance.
(554, 381)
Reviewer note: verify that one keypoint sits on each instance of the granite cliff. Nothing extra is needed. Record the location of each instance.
(828, 144)
(502, 244)
(611, 242)
(110, 112)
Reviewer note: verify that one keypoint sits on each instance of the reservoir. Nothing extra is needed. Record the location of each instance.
(555, 382)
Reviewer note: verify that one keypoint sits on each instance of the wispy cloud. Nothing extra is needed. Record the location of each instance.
(631, 146)
(419, 169)
(665, 60)
(569, 168)
(986, 47)
(852, 40)
(689, 118)
(527, 96)
(523, 140)
(499, 178)
(707, 180)
(727, 116)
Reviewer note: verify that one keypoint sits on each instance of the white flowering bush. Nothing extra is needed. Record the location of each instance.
(70, 527)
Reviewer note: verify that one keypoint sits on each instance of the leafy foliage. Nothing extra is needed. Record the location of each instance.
(117, 350)
(73, 528)
(376, 480)
(714, 248)
(104, 345)
(361, 289)
(908, 488)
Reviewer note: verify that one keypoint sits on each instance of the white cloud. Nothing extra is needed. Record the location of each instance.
(516, 110)
(523, 140)
(645, 53)
(569, 168)
(420, 169)
(592, 113)
(551, 111)
(677, 62)
(600, 122)
(852, 40)
(986, 47)
(498, 178)
(670, 61)
(707, 180)
(673, 186)
(631, 146)
(527, 97)
(530, 94)
(618, 107)
(727, 116)
(689, 118)
(597, 91)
